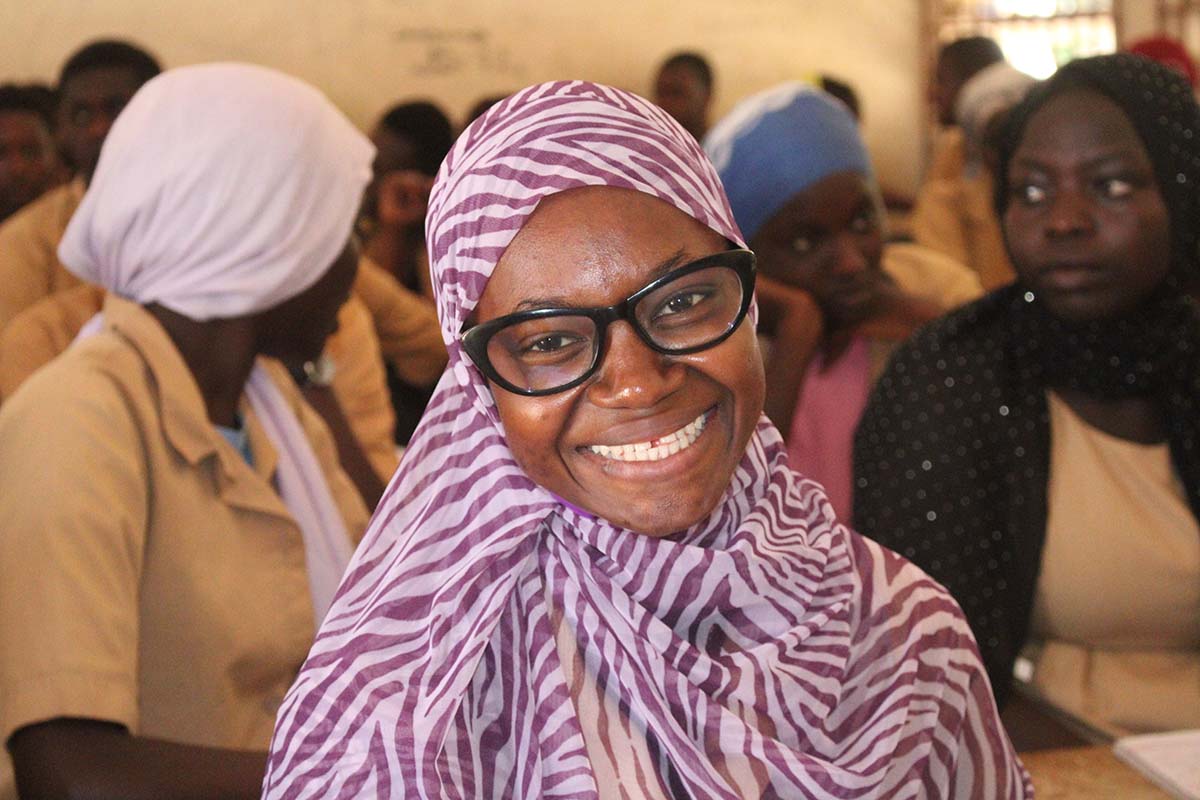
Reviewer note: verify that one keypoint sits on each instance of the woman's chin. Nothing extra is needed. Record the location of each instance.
(656, 517)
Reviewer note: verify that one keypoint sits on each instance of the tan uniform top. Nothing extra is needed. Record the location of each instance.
(930, 274)
(39, 333)
(29, 265)
(926, 273)
(406, 324)
(956, 216)
(1117, 606)
(949, 155)
(47, 328)
(360, 386)
(149, 576)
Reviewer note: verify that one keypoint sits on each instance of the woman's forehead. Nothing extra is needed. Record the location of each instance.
(543, 141)
(589, 246)
(831, 203)
(1080, 117)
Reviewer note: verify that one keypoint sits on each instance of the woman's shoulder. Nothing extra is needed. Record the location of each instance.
(898, 595)
(914, 650)
(892, 609)
(978, 325)
(102, 371)
(904, 622)
(954, 356)
(93, 405)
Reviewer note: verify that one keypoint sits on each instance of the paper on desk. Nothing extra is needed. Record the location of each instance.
(1172, 760)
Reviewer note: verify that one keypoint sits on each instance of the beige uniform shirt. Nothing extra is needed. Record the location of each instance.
(1116, 619)
(949, 155)
(406, 324)
(38, 334)
(925, 273)
(930, 274)
(149, 576)
(29, 265)
(360, 386)
(956, 216)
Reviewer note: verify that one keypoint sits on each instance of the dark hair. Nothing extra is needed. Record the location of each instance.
(426, 127)
(109, 53)
(33, 98)
(842, 91)
(694, 62)
(970, 55)
(1159, 104)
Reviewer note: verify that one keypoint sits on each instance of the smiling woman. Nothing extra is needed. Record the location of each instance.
(594, 575)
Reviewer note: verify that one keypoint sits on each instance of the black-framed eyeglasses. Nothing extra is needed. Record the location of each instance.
(548, 350)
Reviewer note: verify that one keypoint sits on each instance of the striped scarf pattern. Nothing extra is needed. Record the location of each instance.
(765, 652)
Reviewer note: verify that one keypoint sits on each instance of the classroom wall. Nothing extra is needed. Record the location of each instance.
(367, 53)
(1138, 19)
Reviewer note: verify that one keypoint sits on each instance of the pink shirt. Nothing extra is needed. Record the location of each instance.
(832, 399)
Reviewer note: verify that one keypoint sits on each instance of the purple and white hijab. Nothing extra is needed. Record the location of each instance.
(766, 652)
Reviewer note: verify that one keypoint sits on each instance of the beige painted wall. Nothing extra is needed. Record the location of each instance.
(367, 53)
(1138, 19)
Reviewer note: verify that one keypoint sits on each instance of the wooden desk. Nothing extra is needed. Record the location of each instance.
(1087, 772)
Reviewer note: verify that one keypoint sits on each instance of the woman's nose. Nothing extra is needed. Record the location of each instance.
(1069, 214)
(848, 255)
(632, 375)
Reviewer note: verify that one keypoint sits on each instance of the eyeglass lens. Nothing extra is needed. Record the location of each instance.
(544, 353)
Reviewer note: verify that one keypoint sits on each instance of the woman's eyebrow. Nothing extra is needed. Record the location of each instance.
(1122, 158)
(1120, 155)
(532, 303)
(557, 301)
(866, 204)
(669, 263)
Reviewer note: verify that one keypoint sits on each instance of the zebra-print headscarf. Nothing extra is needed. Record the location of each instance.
(765, 652)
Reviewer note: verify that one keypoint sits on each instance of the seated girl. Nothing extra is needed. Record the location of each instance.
(835, 299)
(174, 518)
(594, 575)
(1037, 451)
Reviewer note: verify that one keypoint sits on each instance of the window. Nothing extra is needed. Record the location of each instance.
(1037, 36)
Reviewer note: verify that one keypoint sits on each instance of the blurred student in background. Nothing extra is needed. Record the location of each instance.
(684, 89)
(29, 162)
(94, 85)
(393, 282)
(834, 298)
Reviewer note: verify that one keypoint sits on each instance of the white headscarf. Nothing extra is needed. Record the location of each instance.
(222, 190)
(992, 90)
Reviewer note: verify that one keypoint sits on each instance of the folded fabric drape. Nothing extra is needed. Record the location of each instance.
(765, 651)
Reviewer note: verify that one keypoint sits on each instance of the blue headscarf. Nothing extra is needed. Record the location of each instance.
(778, 143)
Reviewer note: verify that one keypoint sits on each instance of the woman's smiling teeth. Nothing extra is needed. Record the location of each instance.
(656, 449)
